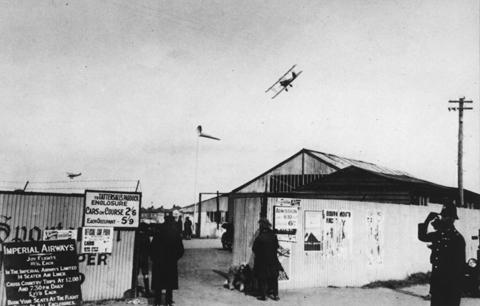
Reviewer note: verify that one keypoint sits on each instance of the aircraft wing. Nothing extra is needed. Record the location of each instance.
(208, 136)
(279, 92)
(280, 78)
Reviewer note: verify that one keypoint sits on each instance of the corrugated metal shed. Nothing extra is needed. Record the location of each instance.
(375, 242)
(24, 216)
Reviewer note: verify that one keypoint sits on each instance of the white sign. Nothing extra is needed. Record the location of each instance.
(113, 209)
(285, 221)
(59, 234)
(97, 240)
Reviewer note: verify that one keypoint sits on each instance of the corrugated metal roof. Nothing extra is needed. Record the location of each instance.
(343, 162)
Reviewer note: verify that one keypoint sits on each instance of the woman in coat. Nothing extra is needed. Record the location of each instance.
(166, 249)
(266, 265)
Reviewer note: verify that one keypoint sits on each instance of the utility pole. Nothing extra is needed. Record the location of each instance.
(460, 109)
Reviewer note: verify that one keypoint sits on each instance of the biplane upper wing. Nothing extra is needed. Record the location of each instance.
(280, 78)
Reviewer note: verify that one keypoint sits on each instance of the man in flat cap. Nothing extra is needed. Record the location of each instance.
(447, 258)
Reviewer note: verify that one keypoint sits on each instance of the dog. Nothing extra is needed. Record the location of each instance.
(241, 278)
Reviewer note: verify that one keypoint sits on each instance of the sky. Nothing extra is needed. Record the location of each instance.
(115, 89)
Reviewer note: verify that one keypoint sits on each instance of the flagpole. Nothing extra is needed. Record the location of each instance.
(196, 171)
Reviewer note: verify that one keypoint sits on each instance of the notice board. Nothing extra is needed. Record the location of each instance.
(112, 209)
(40, 273)
(97, 240)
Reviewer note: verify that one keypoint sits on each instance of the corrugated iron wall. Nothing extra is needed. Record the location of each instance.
(245, 223)
(382, 245)
(23, 217)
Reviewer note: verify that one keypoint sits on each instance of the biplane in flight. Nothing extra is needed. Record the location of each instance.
(284, 82)
(73, 175)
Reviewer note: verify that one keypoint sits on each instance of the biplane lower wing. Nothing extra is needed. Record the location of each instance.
(279, 92)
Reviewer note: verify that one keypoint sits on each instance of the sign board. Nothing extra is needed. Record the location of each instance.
(285, 222)
(112, 209)
(41, 273)
(59, 234)
(97, 240)
(313, 239)
(285, 259)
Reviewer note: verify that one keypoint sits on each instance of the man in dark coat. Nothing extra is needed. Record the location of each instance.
(166, 249)
(266, 265)
(447, 258)
(188, 228)
(142, 249)
(180, 225)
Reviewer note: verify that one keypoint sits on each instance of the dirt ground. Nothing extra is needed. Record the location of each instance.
(201, 285)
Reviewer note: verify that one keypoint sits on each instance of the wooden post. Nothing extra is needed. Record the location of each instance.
(217, 214)
(199, 214)
(460, 109)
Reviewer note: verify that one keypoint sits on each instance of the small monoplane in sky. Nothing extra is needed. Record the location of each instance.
(73, 175)
(201, 134)
(284, 82)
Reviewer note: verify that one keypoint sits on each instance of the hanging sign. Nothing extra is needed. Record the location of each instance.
(59, 234)
(41, 273)
(97, 240)
(111, 209)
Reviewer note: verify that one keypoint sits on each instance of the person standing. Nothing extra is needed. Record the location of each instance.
(142, 243)
(447, 257)
(266, 266)
(188, 228)
(180, 225)
(166, 250)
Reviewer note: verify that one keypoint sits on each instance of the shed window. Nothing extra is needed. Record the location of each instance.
(290, 182)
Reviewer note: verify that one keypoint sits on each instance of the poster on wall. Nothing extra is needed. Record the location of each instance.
(97, 240)
(285, 222)
(329, 232)
(313, 223)
(42, 273)
(59, 234)
(337, 232)
(374, 237)
(284, 257)
(112, 209)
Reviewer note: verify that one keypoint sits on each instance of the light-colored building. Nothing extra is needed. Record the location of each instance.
(343, 222)
(213, 213)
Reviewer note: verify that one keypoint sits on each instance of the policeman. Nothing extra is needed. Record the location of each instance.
(447, 258)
